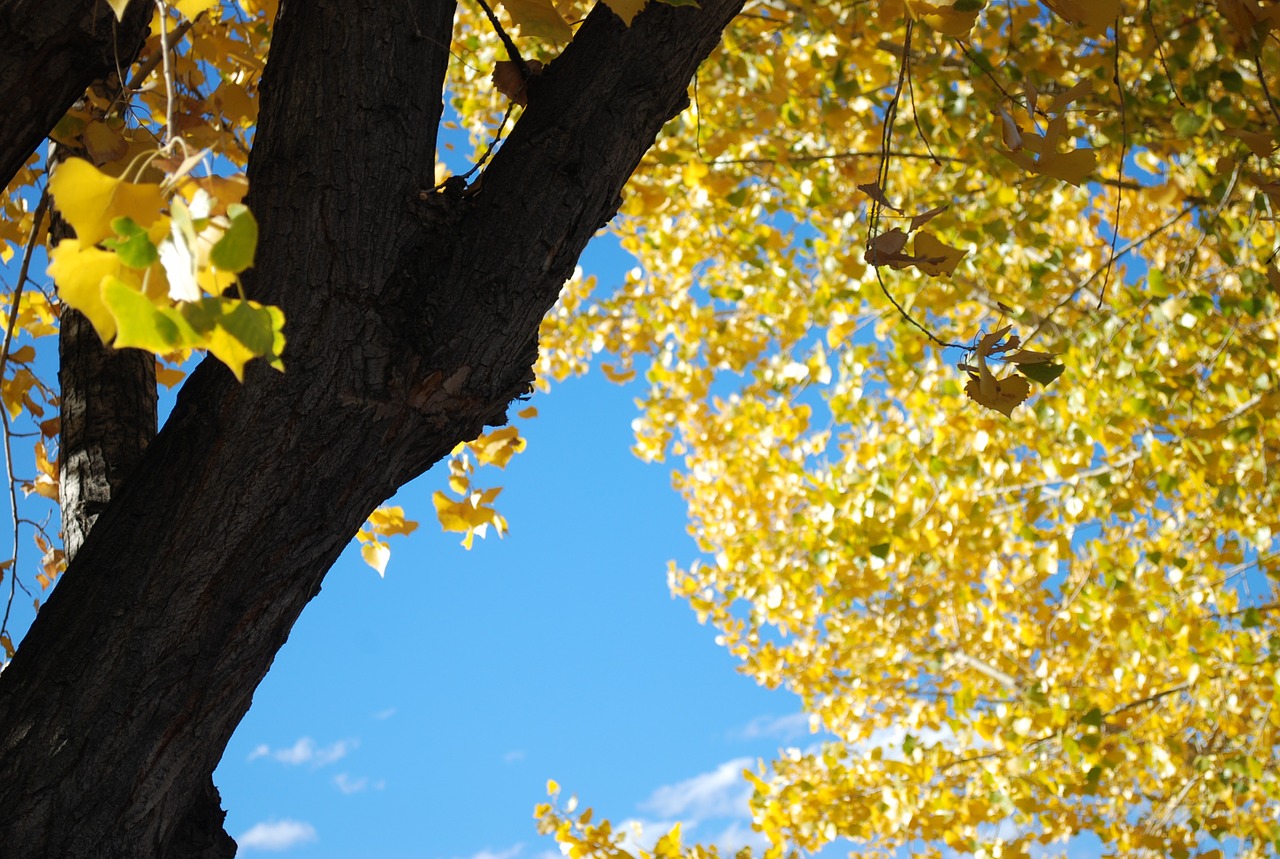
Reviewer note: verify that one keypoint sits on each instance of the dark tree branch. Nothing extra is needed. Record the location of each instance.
(53, 50)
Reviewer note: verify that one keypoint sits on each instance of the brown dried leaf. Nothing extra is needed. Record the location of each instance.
(886, 249)
(874, 191)
(935, 258)
(1004, 396)
(508, 80)
(918, 221)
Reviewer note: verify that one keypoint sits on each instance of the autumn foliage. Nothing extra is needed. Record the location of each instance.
(961, 333)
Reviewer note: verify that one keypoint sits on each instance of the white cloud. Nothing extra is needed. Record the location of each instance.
(305, 751)
(349, 785)
(510, 853)
(385, 714)
(719, 793)
(784, 727)
(277, 835)
(513, 756)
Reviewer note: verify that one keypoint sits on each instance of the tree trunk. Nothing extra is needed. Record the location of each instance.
(53, 50)
(412, 321)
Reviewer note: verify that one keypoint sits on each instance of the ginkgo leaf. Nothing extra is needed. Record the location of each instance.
(935, 258)
(539, 19)
(1071, 167)
(1260, 143)
(918, 221)
(1044, 373)
(190, 9)
(234, 251)
(626, 9)
(376, 555)
(118, 6)
(90, 200)
(142, 324)
(1092, 16)
(80, 273)
(103, 143)
(507, 79)
(1003, 397)
(952, 18)
(390, 521)
(874, 191)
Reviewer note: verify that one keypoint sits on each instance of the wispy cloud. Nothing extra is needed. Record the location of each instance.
(513, 756)
(791, 727)
(385, 714)
(277, 835)
(349, 784)
(510, 853)
(719, 793)
(305, 751)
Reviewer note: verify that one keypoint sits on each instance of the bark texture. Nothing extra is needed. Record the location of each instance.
(53, 50)
(412, 324)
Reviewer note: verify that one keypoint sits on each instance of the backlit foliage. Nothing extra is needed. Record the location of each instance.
(1048, 560)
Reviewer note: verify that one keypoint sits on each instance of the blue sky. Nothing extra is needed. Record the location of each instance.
(421, 715)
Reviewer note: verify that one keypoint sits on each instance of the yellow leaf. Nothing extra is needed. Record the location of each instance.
(935, 258)
(80, 273)
(539, 19)
(943, 17)
(626, 9)
(90, 200)
(528, 412)
(192, 8)
(617, 375)
(1092, 16)
(376, 555)
(118, 6)
(553, 787)
(1070, 167)
(388, 521)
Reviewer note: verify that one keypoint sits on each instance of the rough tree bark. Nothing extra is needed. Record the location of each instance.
(53, 50)
(412, 324)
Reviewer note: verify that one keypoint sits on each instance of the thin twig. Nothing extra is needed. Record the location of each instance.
(168, 70)
(12, 324)
(1262, 79)
(882, 180)
(512, 53)
(1124, 149)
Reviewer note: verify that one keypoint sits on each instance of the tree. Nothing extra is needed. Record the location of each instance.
(1029, 595)
(412, 323)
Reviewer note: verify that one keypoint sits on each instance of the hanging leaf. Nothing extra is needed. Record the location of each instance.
(538, 19)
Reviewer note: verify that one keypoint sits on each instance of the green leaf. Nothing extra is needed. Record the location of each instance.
(1042, 373)
(1187, 124)
(234, 251)
(238, 330)
(143, 325)
(134, 247)
(880, 550)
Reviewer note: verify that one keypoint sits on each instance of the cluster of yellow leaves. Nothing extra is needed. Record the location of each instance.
(1065, 620)
(148, 267)
(383, 522)
(471, 512)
